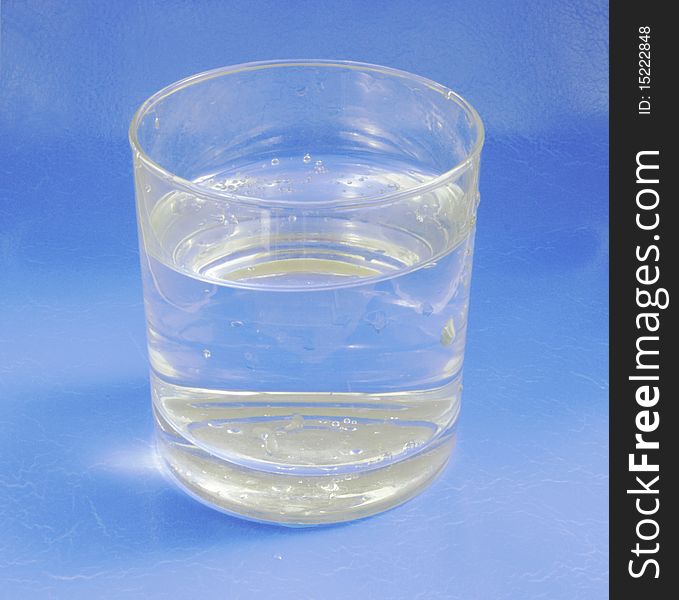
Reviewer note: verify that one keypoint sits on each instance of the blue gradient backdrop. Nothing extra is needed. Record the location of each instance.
(522, 511)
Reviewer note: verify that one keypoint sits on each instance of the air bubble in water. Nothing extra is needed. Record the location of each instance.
(307, 158)
(207, 353)
(275, 161)
(356, 451)
(236, 323)
(292, 219)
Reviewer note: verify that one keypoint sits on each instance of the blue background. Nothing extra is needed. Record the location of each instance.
(522, 510)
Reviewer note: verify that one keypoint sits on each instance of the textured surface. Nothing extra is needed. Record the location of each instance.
(521, 512)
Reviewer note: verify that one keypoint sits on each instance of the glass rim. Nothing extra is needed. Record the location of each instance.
(221, 195)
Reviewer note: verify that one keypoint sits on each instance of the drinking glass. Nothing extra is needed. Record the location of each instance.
(306, 231)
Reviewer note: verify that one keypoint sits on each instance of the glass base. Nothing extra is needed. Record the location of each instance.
(297, 499)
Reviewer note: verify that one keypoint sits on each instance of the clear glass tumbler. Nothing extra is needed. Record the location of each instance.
(306, 231)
